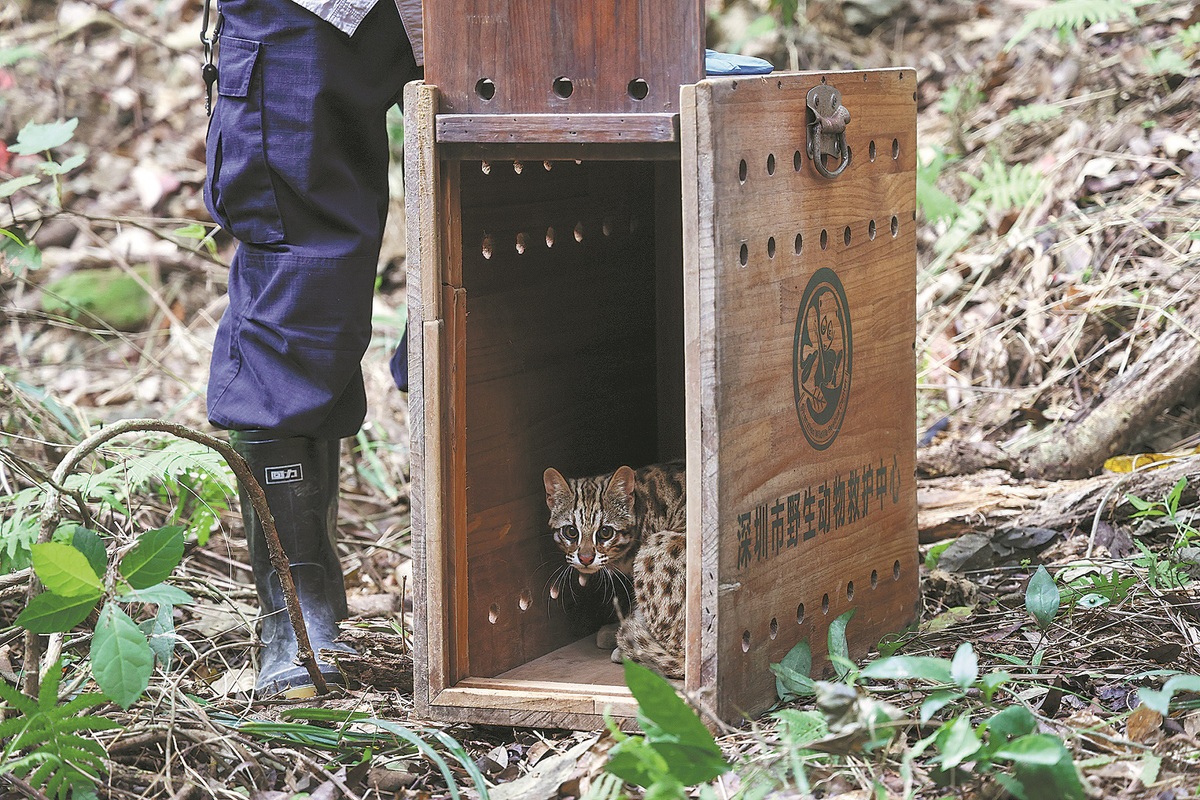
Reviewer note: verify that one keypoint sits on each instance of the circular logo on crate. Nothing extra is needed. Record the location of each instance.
(821, 358)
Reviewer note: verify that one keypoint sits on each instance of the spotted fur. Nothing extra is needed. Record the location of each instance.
(632, 524)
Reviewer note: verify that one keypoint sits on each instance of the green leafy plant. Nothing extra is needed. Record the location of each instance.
(42, 741)
(1168, 510)
(76, 578)
(1068, 16)
(1042, 598)
(676, 751)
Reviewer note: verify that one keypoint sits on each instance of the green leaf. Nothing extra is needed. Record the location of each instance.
(1160, 701)
(92, 546)
(65, 571)
(1042, 598)
(800, 728)
(1035, 748)
(838, 647)
(662, 710)
(52, 613)
(160, 593)
(1172, 499)
(11, 187)
(635, 761)
(38, 138)
(160, 634)
(993, 681)
(936, 701)
(122, 660)
(935, 670)
(792, 673)
(957, 742)
(964, 669)
(690, 764)
(55, 168)
(155, 556)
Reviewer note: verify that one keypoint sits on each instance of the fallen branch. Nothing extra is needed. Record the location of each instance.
(51, 511)
(1166, 374)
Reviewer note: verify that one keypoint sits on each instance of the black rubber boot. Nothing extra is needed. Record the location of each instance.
(300, 478)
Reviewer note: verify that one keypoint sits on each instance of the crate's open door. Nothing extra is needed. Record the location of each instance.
(800, 325)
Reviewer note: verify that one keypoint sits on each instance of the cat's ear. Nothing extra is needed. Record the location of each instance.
(556, 486)
(621, 484)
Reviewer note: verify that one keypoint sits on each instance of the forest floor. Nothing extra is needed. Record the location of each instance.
(1058, 328)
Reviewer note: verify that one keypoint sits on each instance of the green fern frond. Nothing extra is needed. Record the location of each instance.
(56, 758)
(1072, 15)
(1036, 112)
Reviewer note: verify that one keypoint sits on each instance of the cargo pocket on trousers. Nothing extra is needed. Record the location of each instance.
(238, 189)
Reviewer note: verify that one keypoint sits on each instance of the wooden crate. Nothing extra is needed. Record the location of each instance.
(582, 300)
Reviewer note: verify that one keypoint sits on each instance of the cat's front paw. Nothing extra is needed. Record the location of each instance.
(617, 658)
(606, 637)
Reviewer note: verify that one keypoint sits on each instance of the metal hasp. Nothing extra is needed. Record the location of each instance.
(827, 120)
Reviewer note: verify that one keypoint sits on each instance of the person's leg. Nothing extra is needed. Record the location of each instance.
(297, 160)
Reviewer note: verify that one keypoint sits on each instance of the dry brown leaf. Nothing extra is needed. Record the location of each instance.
(1144, 725)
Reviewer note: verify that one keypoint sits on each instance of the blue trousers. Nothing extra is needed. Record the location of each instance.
(297, 171)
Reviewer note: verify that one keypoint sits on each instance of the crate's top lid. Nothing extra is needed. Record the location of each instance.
(730, 64)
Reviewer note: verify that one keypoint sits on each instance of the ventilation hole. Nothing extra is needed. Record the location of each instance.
(606, 227)
(493, 613)
(901, 76)
(864, 77)
(850, 590)
(914, 215)
(895, 226)
(485, 88)
(798, 245)
(563, 87)
(518, 167)
(796, 161)
(774, 627)
(770, 163)
(547, 165)
(522, 243)
(871, 150)
(896, 570)
(549, 237)
(638, 89)
(488, 247)
(745, 641)
(825, 603)
(554, 592)
(778, 84)
(771, 247)
(822, 79)
(824, 239)
(895, 149)
(800, 614)
(579, 231)
(485, 167)
(733, 86)
(874, 578)
(525, 600)
(744, 254)
(846, 236)
(914, 97)
(742, 171)
(871, 230)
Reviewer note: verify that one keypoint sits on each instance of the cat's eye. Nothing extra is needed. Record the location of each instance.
(605, 533)
(569, 532)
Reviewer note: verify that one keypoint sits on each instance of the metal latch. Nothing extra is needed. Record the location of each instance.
(827, 120)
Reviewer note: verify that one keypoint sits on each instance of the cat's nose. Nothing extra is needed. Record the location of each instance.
(586, 558)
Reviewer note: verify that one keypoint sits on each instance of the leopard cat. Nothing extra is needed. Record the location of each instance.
(631, 523)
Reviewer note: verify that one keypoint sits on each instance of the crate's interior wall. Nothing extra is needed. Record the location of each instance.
(572, 353)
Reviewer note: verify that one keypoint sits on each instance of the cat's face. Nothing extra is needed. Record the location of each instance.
(592, 518)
